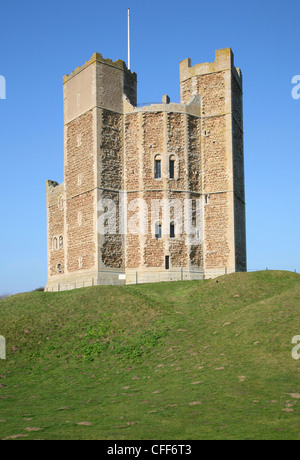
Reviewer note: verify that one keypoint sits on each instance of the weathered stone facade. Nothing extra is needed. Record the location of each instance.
(123, 162)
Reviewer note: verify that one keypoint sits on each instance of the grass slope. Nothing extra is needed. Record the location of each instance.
(181, 360)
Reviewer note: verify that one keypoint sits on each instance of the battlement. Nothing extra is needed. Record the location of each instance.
(192, 108)
(97, 57)
(224, 60)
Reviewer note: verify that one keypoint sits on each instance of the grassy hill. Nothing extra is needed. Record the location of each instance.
(181, 360)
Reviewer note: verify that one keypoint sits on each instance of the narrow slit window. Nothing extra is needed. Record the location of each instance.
(157, 169)
(172, 230)
(167, 262)
(158, 230)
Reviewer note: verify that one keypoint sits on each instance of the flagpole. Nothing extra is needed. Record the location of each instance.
(128, 41)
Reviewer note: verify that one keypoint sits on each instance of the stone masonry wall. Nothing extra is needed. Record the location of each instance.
(195, 182)
(211, 88)
(133, 171)
(133, 240)
(132, 165)
(176, 144)
(153, 144)
(80, 232)
(177, 246)
(79, 159)
(216, 222)
(154, 248)
(55, 227)
(158, 134)
(194, 154)
(112, 244)
(111, 151)
(80, 193)
(214, 159)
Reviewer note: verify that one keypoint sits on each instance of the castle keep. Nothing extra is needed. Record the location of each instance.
(150, 193)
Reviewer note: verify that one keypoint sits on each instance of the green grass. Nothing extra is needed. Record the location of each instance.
(181, 360)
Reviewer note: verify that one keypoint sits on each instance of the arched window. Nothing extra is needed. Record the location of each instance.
(157, 167)
(59, 268)
(158, 230)
(172, 230)
(172, 167)
(54, 245)
(61, 242)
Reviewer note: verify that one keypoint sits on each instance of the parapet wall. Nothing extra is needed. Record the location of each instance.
(224, 60)
(97, 57)
(192, 108)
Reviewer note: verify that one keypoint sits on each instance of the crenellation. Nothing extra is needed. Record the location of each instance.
(97, 57)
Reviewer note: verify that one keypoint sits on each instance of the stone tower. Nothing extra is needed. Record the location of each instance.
(220, 86)
(137, 179)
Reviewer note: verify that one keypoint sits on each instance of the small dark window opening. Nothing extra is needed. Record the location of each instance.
(167, 262)
(157, 169)
(157, 230)
(172, 168)
(59, 268)
(172, 230)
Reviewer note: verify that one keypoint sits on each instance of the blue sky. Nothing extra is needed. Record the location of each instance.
(42, 41)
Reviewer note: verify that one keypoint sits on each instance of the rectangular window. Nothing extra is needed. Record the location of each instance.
(157, 172)
(172, 163)
(167, 262)
(172, 230)
(157, 230)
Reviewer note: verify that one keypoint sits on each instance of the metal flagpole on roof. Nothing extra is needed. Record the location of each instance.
(128, 41)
